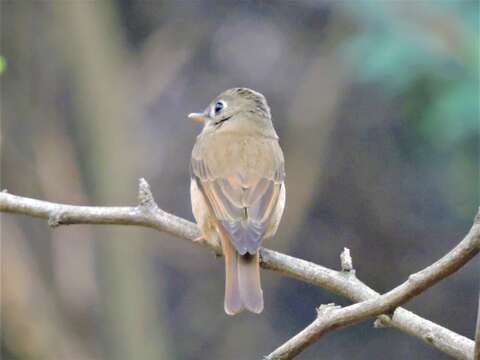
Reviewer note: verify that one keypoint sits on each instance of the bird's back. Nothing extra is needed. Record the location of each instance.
(245, 157)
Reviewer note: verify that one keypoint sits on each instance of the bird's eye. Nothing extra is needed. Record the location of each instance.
(219, 106)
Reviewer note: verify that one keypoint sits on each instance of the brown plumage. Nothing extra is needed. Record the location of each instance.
(237, 188)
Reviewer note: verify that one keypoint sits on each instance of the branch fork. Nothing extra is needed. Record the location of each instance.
(146, 202)
(345, 283)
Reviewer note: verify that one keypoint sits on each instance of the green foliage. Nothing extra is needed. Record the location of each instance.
(435, 71)
(426, 56)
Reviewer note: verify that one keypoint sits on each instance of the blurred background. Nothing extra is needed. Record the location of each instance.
(376, 106)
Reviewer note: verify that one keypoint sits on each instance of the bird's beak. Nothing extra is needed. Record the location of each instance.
(199, 117)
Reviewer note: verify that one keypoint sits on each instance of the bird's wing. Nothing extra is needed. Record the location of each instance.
(242, 198)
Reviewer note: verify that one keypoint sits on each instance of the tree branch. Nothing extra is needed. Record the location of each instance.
(332, 318)
(147, 214)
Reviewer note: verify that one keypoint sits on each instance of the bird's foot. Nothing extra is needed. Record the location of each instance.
(199, 238)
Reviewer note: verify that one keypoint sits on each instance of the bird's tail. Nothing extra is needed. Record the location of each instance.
(243, 289)
(248, 268)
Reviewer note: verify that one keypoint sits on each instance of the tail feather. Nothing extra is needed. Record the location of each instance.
(233, 301)
(248, 269)
(243, 289)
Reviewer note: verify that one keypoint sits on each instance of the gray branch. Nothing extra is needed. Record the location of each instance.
(344, 283)
(476, 355)
(336, 318)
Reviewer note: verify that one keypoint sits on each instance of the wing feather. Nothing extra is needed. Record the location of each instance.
(242, 193)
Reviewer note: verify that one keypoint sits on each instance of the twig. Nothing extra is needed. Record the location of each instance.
(476, 354)
(346, 260)
(416, 284)
(343, 283)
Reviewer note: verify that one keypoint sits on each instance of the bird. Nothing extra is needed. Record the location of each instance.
(237, 188)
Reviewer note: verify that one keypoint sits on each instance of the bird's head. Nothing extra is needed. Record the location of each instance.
(237, 109)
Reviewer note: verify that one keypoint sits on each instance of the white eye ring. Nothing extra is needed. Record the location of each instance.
(218, 107)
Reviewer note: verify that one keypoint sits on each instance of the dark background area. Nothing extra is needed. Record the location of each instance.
(376, 106)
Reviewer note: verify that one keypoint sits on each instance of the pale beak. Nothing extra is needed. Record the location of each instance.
(199, 117)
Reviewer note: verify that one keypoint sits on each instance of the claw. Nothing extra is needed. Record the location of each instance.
(198, 239)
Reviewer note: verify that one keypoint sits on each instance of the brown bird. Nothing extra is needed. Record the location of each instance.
(237, 188)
